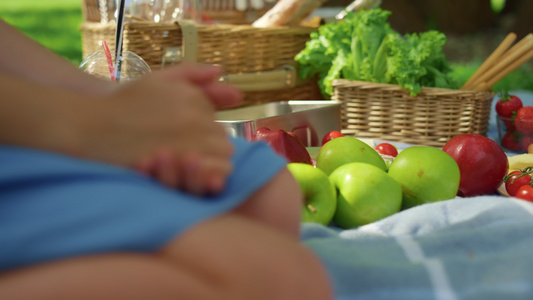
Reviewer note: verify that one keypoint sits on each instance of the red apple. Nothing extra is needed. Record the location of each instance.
(331, 135)
(306, 134)
(284, 143)
(482, 163)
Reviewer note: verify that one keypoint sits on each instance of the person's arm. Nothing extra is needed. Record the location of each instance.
(165, 122)
(50, 93)
(38, 116)
(22, 57)
(25, 58)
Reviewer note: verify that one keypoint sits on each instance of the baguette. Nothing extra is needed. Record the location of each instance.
(288, 13)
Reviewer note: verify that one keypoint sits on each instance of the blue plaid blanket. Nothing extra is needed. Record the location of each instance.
(464, 248)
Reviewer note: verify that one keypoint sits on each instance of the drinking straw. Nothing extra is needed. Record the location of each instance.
(109, 61)
(118, 40)
(197, 16)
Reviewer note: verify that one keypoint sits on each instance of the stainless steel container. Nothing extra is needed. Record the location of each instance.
(309, 120)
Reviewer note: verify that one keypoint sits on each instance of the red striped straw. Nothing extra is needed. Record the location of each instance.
(195, 17)
(109, 61)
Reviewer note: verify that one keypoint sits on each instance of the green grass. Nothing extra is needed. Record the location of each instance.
(54, 24)
(30, 4)
(520, 79)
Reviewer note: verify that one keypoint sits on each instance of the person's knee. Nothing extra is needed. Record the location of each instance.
(107, 276)
(277, 204)
(279, 272)
(294, 274)
(248, 260)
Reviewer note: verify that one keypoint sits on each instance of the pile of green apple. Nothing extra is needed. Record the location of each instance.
(351, 184)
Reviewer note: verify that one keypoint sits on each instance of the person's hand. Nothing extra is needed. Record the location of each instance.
(206, 77)
(164, 126)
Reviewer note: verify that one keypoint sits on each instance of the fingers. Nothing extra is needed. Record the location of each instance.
(223, 95)
(162, 166)
(206, 77)
(205, 176)
(178, 119)
(198, 74)
(166, 171)
(191, 173)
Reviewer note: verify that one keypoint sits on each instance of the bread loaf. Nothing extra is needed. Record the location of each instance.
(288, 13)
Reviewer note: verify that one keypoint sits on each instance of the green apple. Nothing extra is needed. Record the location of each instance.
(366, 194)
(426, 174)
(343, 150)
(320, 196)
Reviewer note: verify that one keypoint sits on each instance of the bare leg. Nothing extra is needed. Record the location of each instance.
(229, 257)
(277, 204)
(112, 276)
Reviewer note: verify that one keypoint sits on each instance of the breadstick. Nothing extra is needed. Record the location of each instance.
(481, 87)
(511, 67)
(517, 51)
(304, 10)
(504, 45)
(288, 12)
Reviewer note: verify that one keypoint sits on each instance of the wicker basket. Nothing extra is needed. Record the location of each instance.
(388, 112)
(219, 11)
(260, 61)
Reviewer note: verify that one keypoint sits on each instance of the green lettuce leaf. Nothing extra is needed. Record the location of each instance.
(364, 47)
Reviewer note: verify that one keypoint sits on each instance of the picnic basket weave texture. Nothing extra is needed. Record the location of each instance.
(260, 61)
(388, 112)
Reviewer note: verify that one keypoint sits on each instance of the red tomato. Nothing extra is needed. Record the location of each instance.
(331, 135)
(526, 141)
(524, 120)
(509, 123)
(387, 149)
(507, 105)
(511, 140)
(525, 193)
(515, 180)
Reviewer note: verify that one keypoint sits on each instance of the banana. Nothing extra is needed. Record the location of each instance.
(520, 161)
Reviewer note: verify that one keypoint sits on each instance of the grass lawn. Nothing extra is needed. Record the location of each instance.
(55, 24)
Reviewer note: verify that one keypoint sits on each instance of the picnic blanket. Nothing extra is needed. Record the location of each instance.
(464, 248)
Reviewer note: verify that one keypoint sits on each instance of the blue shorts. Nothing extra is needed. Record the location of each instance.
(54, 206)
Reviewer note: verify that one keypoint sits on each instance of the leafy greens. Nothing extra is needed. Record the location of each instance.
(364, 47)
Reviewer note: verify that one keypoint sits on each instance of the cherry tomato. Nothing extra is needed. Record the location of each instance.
(525, 192)
(331, 135)
(526, 141)
(507, 105)
(524, 120)
(387, 149)
(512, 140)
(515, 180)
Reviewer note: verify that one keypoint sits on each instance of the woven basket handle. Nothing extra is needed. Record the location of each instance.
(189, 40)
(247, 82)
(262, 81)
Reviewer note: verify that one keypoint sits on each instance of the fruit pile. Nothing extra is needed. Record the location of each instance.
(351, 184)
(518, 183)
(515, 123)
